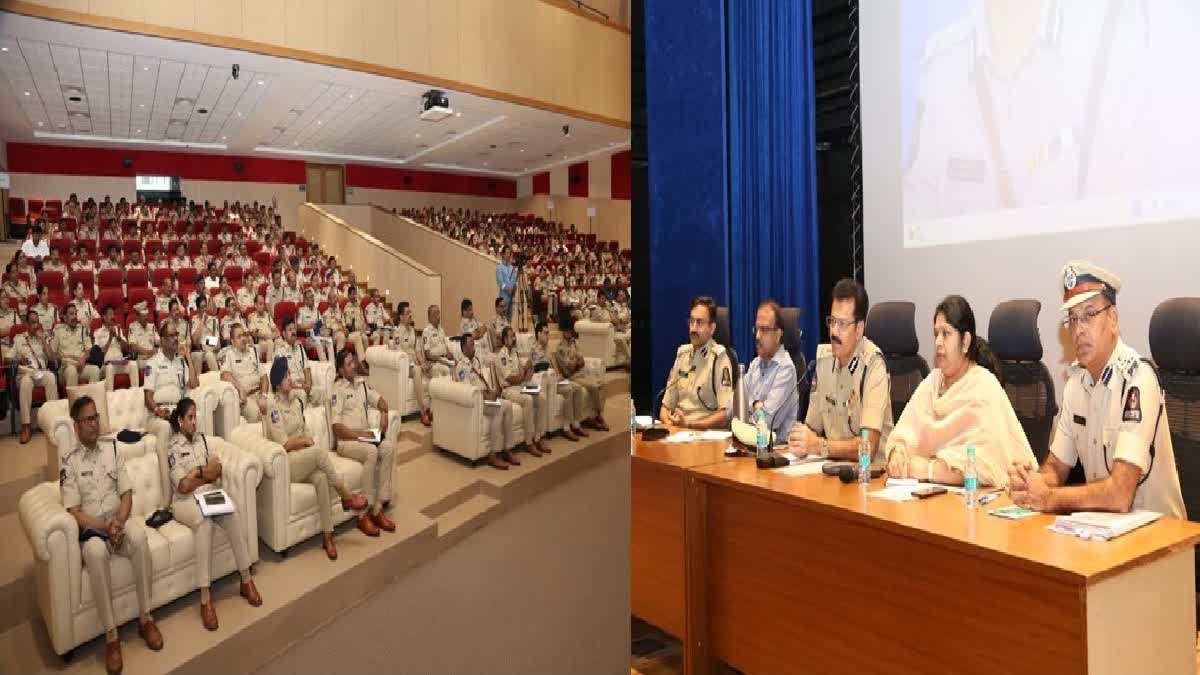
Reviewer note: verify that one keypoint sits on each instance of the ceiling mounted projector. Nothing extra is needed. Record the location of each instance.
(435, 106)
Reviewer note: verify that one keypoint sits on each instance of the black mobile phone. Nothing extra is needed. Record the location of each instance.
(929, 491)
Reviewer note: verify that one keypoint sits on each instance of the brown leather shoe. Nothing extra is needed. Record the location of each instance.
(507, 456)
(533, 449)
(208, 616)
(112, 657)
(600, 424)
(366, 526)
(426, 419)
(26, 433)
(569, 435)
(541, 445)
(355, 503)
(330, 549)
(150, 635)
(383, 522)
(578, 431)
(495, 462)
(250, 593)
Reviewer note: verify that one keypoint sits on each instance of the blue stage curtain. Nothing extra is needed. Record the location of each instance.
(687, 155)
(772, 165)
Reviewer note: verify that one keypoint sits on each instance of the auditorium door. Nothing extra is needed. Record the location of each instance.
(326, 183)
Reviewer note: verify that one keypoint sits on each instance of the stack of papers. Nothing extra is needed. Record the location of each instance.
(692, 436)
(1101, 526)
(804, 468)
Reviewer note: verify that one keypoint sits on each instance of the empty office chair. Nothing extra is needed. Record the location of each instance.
(890, 325)
(1014, 338)
(1174, 335)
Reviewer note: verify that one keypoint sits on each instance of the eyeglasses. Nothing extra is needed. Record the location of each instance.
(763, 330)
(1089, 315)
(90, 419)
(842, 324)
(696, 323)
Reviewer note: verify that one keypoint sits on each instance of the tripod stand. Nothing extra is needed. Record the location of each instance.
(521, 299)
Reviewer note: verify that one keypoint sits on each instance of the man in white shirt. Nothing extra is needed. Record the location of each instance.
(36, 247)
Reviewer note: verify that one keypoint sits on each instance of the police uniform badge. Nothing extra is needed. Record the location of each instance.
(726, 378)
(275, 417)
(62, 476)
(1133, 406)
(852, 399)
(1070, 278)
(171, 460)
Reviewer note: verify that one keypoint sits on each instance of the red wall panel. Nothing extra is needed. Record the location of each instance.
(541, 183)
(387, 178)
(80, 161)
(577, 180)
(621, 186)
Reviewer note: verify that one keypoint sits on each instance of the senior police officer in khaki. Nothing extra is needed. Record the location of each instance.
(33, 370)
(404, 338)
(498, 418)
(307, 318)
(291, 348)
(570, 364)
(513, 374)
(239, 367)
(434, 343)
(98, 493)
(167, 379)
(1113, 418)
(349, 405)
(307, 463)
(195, 465)
(71, 343)
(143, 336)
(850, 388)
(700, 387)
(111, 339)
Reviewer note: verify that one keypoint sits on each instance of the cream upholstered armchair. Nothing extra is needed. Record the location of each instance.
(64, 591)
(597, 340)
(119, 409)
(287, 511)
(389, 376)
(217, 404)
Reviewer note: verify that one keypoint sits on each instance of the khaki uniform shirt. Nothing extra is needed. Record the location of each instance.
(47, 314)
(434, 340)
(1120, 417)
(94, 480)
(353, 317)
(263, 325)
(375, 315)
(284, 418)
(101, 337)
(844, 401)
(243, 366)
(349, 403)
(245, 296)
(167, 378)
(184, 456)
(306, 316)
(143, 336)
(332, 318)
(404, 338)
(204, 325)
(701, 381)
(72, 343)
(296, 357)
(473, 372)
(506, 364)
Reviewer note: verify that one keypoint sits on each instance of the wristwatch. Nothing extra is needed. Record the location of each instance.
(824, 451)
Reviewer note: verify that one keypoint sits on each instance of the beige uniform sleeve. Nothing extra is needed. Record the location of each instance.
(724, 375)
(812, 417)
(68, 485)
(1063, 445)
(177, 468)
(671, 395)
(876, 393)
(273, 424)
(1140, 410)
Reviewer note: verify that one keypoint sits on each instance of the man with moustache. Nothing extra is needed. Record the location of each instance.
(700, 387)
(771, 378)
(851, 389)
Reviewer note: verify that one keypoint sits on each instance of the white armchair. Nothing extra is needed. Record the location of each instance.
(287, 511)
(64, 591)
(218, 406)
(389, 376)
(597, 340)
(458, 419)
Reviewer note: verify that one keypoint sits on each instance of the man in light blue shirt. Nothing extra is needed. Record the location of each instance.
(771, 378)
(506, 282)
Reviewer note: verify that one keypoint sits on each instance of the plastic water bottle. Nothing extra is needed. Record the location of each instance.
(971, 480)
(864, 457)
(762, 441)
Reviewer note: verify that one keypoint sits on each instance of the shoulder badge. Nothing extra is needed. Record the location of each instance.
(1070, 279)
(726, 378)
(1133, 406)
(333, 400)
(171, 460)
(1106, 375)
(275, 417)
(62, 476)
(853, 365)
(683, 349)
(718, 349)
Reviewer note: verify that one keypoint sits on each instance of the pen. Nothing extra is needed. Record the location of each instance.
(988, 498)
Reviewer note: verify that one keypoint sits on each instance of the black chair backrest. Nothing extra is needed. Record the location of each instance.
(1174, 336)
(722, 334)
(891, 326)
(1015, 340)
(793, 340)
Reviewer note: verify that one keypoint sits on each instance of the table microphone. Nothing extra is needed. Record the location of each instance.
(655, 432)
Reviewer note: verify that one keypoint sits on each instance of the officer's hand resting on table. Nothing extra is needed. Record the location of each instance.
(1028, 488)
(677, 418)
(802, 440)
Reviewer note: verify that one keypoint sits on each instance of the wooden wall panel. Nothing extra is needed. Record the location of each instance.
(220, 17)
(443, 38)
(379, 30)
(263, 21)
(413, 28)
(129, 10)
(173, 13)
(305, 26)
(344, 30)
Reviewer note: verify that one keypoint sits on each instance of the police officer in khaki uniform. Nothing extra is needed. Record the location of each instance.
(263, 328)
(205, 327)
(352, 425)
(111, 339)
(512, 374)
(307, 463)
(570, 365)
(167, 379)
(1113, 418)
(574, 404)
(143, 336)
(9, 318)
(470, 323)
(498, 418)
(33, 370)
(404, 338)
(307, 319)
(378, 321)
(193, 465)
(97, 492)
(71, 343)
(850, 388)
(700, 387)
(498, 324)
(434, 343)
(239, 367)
(292, 349)
(355, 323)
(46, 312)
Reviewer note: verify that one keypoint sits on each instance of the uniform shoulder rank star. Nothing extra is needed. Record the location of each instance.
(726, 378)
(1106, 375)
(171, 460)
(853, 365)
(275, 417)
(1133, 406)
(333, 400)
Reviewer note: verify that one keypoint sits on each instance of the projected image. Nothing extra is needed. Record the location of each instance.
(1022, 117)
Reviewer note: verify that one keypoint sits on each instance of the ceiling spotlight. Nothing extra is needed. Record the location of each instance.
(26, 93)
(222, 138)
(145, 67)
(141, 105)
(295, 142)
(239, 113)
(261, 83)
(62, 125)
(139, 131)
(458, 114)
(39, 124)
(417, 135)
(3, 49)
(318, 122)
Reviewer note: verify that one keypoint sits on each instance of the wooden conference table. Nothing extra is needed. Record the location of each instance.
(773, 573)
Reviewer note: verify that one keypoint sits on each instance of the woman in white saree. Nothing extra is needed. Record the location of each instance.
(960, 404)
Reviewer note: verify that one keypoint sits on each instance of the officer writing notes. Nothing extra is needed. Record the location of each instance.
(700, 386)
